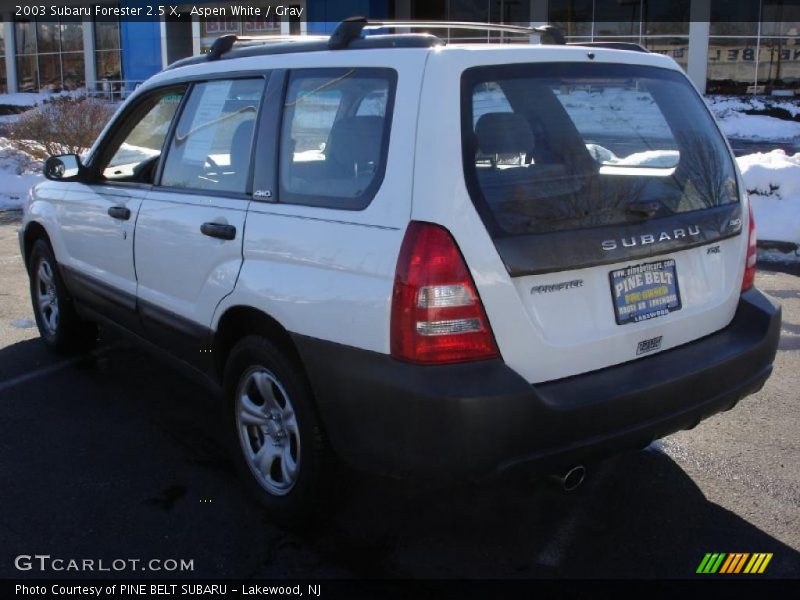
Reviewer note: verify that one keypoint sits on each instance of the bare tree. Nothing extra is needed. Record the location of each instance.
(708, 171)
(63, 125)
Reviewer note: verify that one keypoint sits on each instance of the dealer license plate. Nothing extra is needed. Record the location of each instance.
(645, 291)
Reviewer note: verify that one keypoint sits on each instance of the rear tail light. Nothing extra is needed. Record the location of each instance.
(437, 316)
(752, 254)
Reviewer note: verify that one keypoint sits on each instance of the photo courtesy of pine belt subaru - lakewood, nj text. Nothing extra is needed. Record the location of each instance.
(415, 258)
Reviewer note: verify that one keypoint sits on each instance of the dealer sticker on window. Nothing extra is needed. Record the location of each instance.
(646, 291)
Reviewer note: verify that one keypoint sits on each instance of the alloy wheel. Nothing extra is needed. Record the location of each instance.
(268, 430)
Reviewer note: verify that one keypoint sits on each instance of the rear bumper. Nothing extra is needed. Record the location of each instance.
(391, 417)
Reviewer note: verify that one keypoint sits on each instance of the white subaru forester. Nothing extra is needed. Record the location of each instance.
(423, 259)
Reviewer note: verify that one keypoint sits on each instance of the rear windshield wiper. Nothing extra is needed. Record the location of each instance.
(643, 209)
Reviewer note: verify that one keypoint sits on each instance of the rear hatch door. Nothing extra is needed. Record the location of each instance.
(612, 200)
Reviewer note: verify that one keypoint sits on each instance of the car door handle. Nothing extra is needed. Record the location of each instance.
(218, 230)
(119, 212)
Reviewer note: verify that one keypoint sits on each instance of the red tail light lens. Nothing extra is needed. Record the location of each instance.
(437, 316)
(752, 255)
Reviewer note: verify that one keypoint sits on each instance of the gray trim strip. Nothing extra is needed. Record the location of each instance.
(570, 250)
(88, 289)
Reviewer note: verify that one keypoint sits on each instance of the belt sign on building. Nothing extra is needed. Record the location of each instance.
(726, 46)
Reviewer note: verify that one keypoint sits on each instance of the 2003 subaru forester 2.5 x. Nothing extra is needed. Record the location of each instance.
(424, 259)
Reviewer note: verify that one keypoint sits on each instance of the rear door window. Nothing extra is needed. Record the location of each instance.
(556, 147)
(335, 136)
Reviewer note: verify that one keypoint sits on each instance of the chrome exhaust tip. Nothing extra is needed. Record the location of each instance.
(572, 479)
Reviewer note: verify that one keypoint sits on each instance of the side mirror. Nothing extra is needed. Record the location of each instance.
(65, 167)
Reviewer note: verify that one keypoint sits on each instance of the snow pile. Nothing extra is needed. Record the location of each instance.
(722, 106)
(11, 105)
(18, 173)
(759, 127)
(772, 174)
(25, 99)
(664, 159)
(773, 181)
(774, 255)
(735, 123)
(652, 158)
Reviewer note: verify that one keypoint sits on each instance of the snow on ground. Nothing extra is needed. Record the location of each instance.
(722, 105)
(773, 181)
(772, 174)
(24, 98)
(735, 123)
(18, 173)
(759, 127)
(773, 255)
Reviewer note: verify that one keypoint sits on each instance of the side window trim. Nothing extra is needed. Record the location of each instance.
(171, 132)
(100, 156)
(267, 77)
(351, 204)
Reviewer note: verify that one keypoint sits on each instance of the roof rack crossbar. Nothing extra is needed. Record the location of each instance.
(225, 43)
(352, 28)
(631, 46)
(275, 39)
(452, 25)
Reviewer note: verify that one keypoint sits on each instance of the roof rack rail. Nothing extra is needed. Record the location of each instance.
(348, 34)
(267, 46)
(633, 47)
(351, 28)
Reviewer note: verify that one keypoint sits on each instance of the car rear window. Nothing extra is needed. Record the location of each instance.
(560, 146)
(335, 136)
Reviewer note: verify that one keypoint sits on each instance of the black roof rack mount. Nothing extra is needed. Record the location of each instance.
(221, 45)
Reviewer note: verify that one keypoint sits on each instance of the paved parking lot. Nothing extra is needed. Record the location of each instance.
(113, 455)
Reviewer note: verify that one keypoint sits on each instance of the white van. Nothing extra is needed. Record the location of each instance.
(422, 259)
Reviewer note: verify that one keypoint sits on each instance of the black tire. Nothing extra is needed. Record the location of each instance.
(306, 497)
(66, 333)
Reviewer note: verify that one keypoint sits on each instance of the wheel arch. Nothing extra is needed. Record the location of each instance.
(239, 321)
(34, 231)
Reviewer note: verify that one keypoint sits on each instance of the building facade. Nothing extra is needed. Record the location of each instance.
(726, 46)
